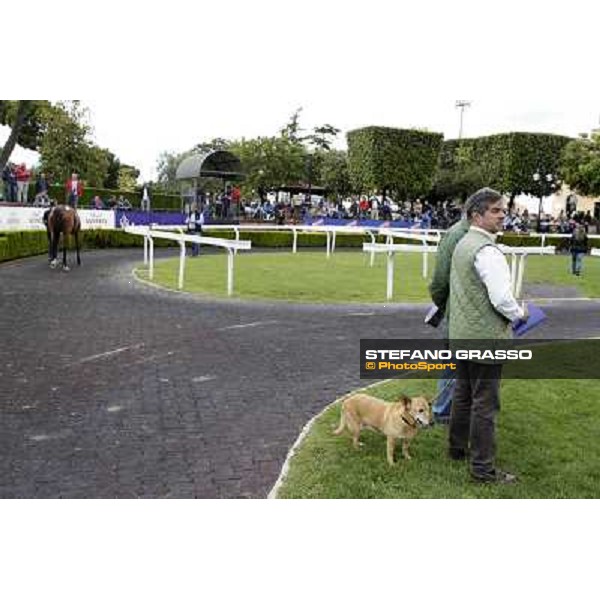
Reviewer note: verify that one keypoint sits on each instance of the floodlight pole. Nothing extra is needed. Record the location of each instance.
(462, 104)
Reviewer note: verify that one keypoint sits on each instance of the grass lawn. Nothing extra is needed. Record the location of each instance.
(557, 270)
(547, 434)
(309, 276)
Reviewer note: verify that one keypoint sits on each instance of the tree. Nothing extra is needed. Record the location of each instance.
(17, 125)
(65, 147)
(269, 163)
(461, 182)
(291, 130)
(458, 175)
(167, 168)
(61, 134)
(26, 120)
(127, 178)
(322, 137)
(111, 180)
(214, 144)
(97, 162)
(580, 165)
(334, 174)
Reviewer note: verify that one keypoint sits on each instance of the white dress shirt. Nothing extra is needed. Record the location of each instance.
(493, 270)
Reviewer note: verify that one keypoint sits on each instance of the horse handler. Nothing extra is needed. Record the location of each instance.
(45, 218)
(194, 225)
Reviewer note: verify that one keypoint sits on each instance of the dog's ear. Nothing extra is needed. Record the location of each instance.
(405, 400)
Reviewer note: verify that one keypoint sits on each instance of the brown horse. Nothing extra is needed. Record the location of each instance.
(65, 220)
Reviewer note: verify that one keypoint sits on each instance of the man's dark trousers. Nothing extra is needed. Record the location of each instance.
(472, 422)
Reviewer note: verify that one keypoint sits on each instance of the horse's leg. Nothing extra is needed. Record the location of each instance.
(49, 236)
(77, 248)
(65, 266)
(54, 251)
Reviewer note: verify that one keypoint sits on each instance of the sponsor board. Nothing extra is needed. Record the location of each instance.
(26, 218)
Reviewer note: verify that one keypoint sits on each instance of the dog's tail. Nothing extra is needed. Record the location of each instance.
(342, 424)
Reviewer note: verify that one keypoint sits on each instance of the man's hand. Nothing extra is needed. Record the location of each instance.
(518, 322)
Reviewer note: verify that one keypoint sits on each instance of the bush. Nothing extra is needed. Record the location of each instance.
(402, 161)
(20, 244)
(526, 241)
(505, 161)
(158, 201)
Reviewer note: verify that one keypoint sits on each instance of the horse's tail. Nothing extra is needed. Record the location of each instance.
(76, 224)
(58, 222)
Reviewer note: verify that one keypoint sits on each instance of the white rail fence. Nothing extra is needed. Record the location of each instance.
(517, 268)
(331, 232)
(429, 241)
(182, 238)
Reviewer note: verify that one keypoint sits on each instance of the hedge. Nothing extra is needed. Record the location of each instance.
(30, 243)
(20, 244)
(398, 160)
(524, 240)
(158, 201)
(507, 161)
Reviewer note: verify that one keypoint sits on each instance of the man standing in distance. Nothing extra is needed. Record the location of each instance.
(481, 307)
(74, 190)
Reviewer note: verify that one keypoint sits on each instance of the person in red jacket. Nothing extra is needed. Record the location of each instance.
(23, 175)
(74, 190)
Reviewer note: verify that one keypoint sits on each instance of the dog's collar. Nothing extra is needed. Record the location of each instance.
(413, 424)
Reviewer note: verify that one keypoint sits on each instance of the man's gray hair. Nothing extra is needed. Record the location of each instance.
(480, 201)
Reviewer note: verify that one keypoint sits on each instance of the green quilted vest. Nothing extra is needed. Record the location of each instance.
(471, 314)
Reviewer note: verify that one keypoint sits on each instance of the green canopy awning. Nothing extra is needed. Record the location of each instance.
(217, 163)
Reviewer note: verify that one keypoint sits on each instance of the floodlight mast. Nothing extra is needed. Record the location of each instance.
(462, 104)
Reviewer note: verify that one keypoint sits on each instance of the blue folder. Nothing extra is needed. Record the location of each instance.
(536, 316)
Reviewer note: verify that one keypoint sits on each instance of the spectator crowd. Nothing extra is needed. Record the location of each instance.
(17, 180)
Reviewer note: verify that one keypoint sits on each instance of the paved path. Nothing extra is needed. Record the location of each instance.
(110, 388)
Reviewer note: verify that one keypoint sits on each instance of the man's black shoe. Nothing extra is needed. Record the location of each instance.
(457, 454)
(498, 477)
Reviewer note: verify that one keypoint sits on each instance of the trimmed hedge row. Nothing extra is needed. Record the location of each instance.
(20, 244)
(388, 159)
(507, 161)
(158, 201)
(562, 244)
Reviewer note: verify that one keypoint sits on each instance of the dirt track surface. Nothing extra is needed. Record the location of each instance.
(113, 389)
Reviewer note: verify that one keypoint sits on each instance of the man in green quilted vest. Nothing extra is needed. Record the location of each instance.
(439, 287)
(481, 307)
(440, 290)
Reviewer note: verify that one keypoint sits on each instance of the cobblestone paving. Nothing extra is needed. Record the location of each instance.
(112, 389)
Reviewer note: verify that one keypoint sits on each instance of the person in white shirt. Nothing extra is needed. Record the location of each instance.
(481, 307)
(195, 221)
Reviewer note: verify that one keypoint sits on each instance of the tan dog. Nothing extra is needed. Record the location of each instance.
(394, 419)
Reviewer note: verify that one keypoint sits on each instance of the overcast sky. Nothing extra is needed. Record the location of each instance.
(166, 77)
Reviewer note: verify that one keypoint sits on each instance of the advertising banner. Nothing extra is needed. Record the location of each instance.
(124, 218)
(26, 218)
